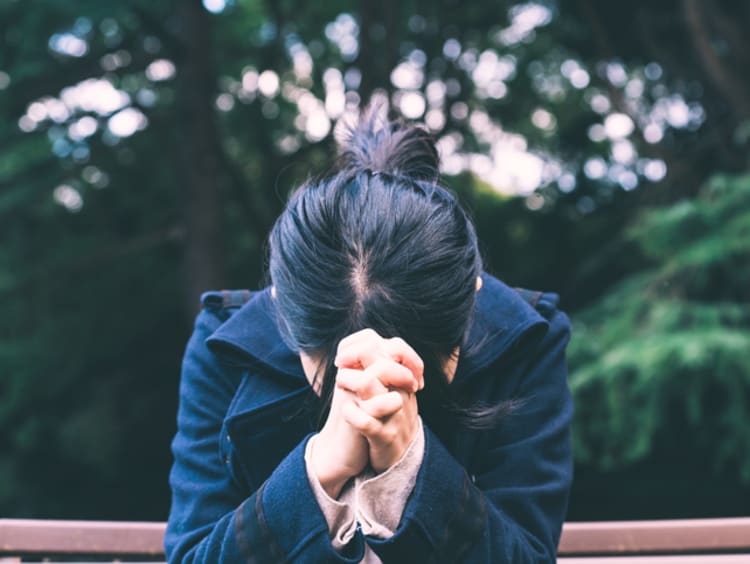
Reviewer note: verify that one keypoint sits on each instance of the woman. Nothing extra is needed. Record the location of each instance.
(384, 400)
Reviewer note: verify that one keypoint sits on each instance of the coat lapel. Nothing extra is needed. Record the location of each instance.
(273, 408)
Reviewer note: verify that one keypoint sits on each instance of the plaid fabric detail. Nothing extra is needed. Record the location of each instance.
(530, 296)
(235, 298)
(465, 528)
(254, 539)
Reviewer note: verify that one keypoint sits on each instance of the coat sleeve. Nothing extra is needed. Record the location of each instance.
(211, 518)
(512, 510)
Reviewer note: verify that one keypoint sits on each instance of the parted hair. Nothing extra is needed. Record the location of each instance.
(376, 243)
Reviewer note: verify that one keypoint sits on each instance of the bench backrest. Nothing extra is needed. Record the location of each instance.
(710, 540)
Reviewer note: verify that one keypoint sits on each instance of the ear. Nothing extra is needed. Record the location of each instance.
(478, 284)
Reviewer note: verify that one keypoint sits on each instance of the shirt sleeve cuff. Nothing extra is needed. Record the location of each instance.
(380, 499)
(339, 513)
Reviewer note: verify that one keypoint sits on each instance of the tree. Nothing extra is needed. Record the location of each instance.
(147, 148)
(659, 364)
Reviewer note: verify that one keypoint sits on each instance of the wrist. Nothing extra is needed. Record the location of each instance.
(332, 484)
(384, 458)
(331, 477)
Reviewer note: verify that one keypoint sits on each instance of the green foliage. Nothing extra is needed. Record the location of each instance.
(665, 352)
(97, 290)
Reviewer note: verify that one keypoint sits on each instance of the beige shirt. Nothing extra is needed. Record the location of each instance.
(375, 502)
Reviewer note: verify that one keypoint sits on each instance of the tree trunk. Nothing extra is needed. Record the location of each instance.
(378, 52)
(722, 77)
(199, 151)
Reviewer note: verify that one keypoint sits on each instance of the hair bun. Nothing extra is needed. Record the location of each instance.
(377, 145)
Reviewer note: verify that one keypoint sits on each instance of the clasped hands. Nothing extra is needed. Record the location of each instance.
(373, 417)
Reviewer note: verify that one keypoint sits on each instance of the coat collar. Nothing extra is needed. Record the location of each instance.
(251, 336)
(503, 322)
(502, 319)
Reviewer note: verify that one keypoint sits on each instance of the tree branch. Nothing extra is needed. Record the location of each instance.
(676, 167)
(722, 78)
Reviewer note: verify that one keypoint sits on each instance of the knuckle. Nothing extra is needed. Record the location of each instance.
(340, 379)
(368, 332)
(397, 342)
(405, 372)
(381, 365)
(377, 370)
(398, 400)
(379, 411)
(342, 345)
(389, 434)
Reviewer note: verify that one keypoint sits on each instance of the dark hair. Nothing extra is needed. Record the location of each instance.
(378, 244)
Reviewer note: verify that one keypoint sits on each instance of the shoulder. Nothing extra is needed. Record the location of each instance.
(509, 319)
(514, 304)
(216, 308)
(244, 331)
(221, 304)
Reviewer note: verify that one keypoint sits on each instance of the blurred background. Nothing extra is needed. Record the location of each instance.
(146, 148)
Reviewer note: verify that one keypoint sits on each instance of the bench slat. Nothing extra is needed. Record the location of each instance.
(683, 535)
(81, 537)
(684, 559)
(28, 536)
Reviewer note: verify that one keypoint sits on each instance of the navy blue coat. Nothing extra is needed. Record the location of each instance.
(240, 490)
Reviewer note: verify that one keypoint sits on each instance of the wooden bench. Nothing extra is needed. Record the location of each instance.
(693, 541)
